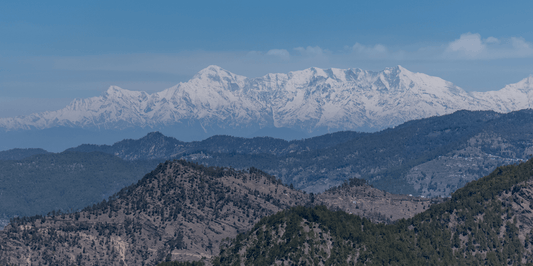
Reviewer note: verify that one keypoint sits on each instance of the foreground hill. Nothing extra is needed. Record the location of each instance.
(488, 222)
(180, 211)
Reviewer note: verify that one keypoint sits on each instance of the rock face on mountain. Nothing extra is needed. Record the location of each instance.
(311, 100)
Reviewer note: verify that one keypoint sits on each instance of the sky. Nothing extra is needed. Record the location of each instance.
(54, 51)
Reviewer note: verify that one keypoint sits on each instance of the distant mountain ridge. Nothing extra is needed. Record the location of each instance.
(310, 100)
(63, 181)
(428, 157)
(19, 154)
(155, 145)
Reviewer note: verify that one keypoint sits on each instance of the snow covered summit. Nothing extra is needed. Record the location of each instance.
(308, 100)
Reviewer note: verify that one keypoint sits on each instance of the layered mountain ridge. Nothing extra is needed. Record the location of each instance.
(427, 157)
(180, 211)
(309, 100)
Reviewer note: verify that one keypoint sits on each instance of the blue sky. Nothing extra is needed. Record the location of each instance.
(54, 51)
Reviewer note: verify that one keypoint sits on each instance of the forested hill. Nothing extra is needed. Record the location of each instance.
(183, 211)
(72, 180)
(430, 157)
(487, 222)
(179, 211)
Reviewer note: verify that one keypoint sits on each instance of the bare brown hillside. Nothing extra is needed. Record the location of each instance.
(180, 211)
(377, 205)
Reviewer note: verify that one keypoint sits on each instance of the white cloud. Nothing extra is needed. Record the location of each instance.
(377, 50)
(472, 46)
(492, 40)
(520, 44)
(311, 51)
(468, 44)
(280, 53)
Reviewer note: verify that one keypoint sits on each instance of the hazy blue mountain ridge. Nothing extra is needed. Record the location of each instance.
(430, 157)
(18, 154)
(64, 181)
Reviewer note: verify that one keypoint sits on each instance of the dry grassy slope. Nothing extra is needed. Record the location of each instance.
(179, 210)
(377, 205)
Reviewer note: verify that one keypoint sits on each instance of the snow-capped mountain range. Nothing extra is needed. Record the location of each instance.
(306, 100)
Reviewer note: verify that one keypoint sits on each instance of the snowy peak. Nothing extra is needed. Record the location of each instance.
(396, 71)
(217, 73)
(525, 85)
(216, 77)
(212, 71)
(516, 96)
(115, 92)
(309, 100)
